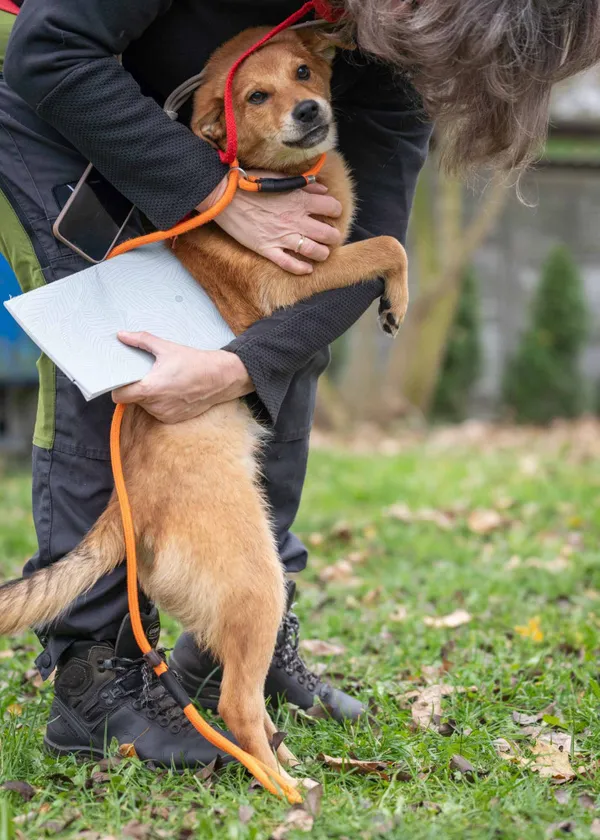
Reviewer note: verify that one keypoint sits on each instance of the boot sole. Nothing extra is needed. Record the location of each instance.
(79, 751)
(83, 754)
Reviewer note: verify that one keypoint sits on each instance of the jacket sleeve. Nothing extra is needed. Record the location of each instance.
(61, 60)
(384, 136)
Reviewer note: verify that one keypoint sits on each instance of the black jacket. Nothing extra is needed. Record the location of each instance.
(61, 60)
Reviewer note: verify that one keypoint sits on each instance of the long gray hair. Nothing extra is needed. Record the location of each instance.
(484, 68)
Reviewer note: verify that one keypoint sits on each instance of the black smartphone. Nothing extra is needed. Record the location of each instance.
(92, 217)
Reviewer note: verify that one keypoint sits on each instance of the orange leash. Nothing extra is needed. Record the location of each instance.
(271, 780)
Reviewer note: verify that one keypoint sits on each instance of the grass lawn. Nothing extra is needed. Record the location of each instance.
(504, 527)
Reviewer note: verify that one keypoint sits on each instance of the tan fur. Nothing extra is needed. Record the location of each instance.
(206, 550)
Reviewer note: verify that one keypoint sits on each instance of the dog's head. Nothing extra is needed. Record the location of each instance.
(281, 99)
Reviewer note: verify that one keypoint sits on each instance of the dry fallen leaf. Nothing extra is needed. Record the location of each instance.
(245, 813)
(15, 710)
(127, 751)
(455, 619)
(432, 673)
(110, 763)
(427, 708)
(525, 720)
(555, 567)
(372, 596)
(403, 513)
(484, 521)
(595, 828)
(549, 760)
(6, 654)
(461, 765)
(320, 711)
(436, 517)
(529, 465)
(317, 647)
(99, 778)
(209, 770)
(506, 750)
(562, 740)
(24, 789)
(533, 731)
(532, 630)
(342, 531)
(33, 677)
(504, 502)
(315, 540)
(296, 820)
(587, 801)
(562, 796)
(400, 511)
(136, 830)
(342, 571)
(312, 797)
(383, 769)
(363, 768)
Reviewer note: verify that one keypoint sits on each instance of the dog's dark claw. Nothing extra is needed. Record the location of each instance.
(391, 320)
(384, 303)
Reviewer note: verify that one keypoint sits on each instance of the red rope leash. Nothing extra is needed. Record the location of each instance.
(322, 10)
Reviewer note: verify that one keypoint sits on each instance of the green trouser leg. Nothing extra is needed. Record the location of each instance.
(6, 24)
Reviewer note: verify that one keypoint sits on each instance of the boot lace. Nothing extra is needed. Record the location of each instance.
(287, 655)
(137, 678)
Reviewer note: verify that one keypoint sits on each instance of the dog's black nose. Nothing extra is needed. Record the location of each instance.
(306, 111)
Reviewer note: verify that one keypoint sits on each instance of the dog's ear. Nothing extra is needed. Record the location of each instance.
(324, 43)
(208, 119)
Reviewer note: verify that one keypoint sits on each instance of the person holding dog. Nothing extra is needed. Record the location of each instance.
(482, 71)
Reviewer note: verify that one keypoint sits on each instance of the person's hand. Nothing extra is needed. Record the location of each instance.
(273, 225)
(184, 382)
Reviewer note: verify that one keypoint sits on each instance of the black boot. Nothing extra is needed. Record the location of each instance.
(288, 678)
(105, 690)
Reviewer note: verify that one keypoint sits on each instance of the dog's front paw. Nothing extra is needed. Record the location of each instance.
(389, 318)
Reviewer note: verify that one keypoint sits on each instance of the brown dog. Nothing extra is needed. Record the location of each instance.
(206, 550)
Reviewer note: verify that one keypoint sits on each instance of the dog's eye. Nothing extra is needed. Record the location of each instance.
(258, 97)
(303, 72)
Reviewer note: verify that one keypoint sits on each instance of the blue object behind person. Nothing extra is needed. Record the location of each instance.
(17, 353)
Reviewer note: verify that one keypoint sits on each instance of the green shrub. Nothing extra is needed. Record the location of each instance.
(462, 359)
(543, 380)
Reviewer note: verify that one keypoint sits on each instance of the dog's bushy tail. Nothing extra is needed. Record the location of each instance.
(41, 598)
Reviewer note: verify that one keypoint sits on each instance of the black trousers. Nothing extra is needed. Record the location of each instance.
(72, 478)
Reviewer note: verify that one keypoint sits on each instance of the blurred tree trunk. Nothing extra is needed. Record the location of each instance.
(359, 384)
(443, 248)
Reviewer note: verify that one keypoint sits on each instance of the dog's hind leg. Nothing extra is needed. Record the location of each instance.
(246, 649)
(284, 755)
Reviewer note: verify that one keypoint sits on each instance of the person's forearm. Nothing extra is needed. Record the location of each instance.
(61, 60)
(274, 349)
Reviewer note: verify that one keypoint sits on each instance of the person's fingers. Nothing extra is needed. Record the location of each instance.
(323, 205)
(286, 261)
(133, 393)
(316, 188)
(308, 247)
(320, 232)
(143, 340)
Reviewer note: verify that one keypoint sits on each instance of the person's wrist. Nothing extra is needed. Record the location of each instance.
(214, 196)
(236, 376)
